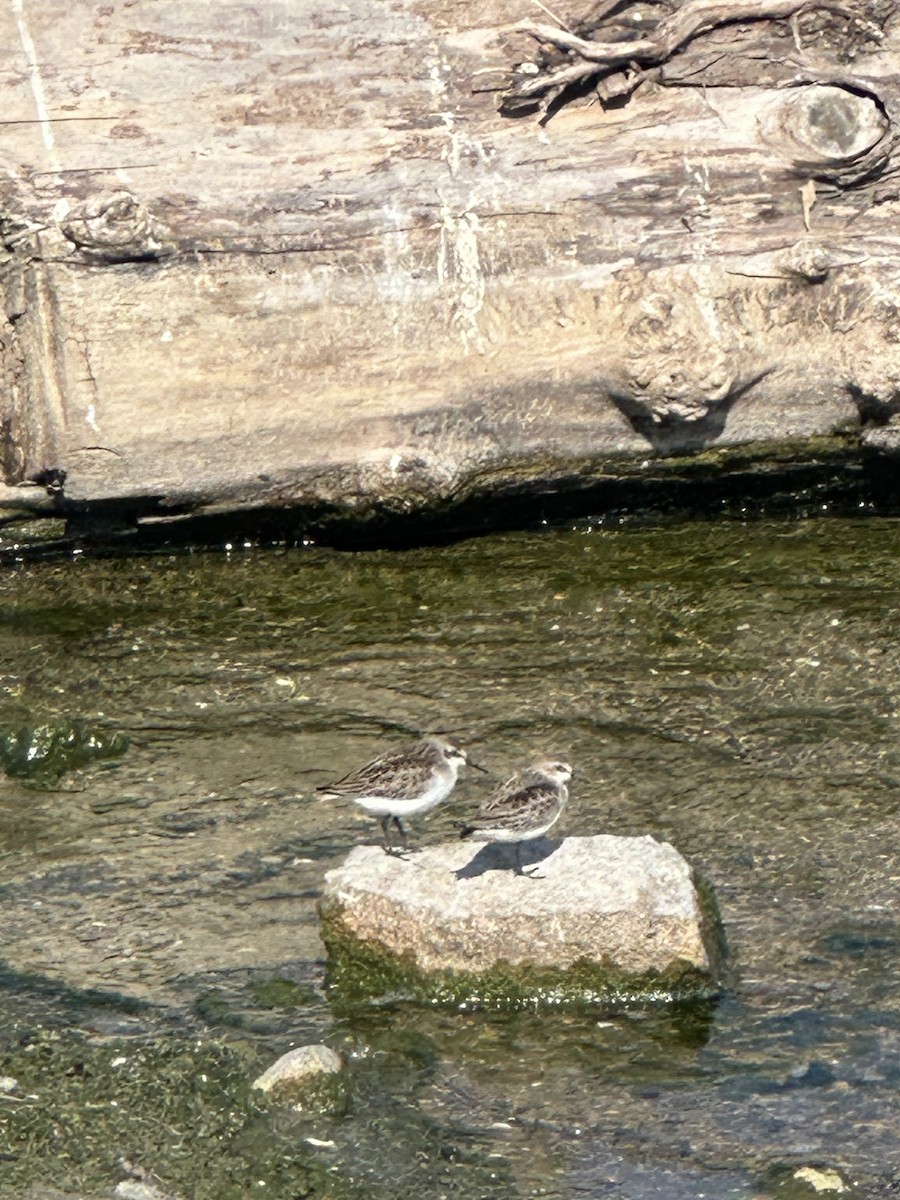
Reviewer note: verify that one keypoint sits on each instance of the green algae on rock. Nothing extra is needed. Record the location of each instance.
(613, 921)
(43, 753)
(360, 971)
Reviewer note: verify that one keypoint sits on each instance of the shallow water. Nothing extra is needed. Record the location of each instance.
(731, 688)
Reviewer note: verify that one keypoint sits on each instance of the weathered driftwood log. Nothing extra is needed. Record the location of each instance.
(284, 257)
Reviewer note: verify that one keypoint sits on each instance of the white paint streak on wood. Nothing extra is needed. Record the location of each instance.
(458, 262)
(37, 84)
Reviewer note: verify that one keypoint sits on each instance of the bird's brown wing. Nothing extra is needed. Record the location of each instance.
(401, 774)
(522, 791)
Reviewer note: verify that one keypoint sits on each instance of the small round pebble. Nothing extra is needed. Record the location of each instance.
(298, 1066)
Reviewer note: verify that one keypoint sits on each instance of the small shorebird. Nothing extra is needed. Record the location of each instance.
(525, 807)
(401, 783)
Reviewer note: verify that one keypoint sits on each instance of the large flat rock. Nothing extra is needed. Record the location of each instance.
(602, 916)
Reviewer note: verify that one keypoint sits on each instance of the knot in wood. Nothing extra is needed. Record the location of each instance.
(114, 227)
(823, 128)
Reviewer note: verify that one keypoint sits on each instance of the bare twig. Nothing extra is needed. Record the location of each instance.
(550, 13)
(623, 83)
(694, 18)
(562, 78)
(602, 52)
(808, 199)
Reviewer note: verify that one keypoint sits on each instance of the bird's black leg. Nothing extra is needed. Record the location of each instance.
(519, 870)
(386, 830)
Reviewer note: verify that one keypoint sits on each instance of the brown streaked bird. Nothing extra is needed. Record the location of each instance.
(525, 807)
(403, 782)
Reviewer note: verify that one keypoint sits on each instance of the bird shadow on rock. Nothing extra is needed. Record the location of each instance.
(494, 856)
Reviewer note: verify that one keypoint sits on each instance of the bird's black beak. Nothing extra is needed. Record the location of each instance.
(477, 766)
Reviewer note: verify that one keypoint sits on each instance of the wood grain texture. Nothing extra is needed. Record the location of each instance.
(293, 256)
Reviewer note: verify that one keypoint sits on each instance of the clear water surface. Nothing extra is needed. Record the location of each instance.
(731, 688)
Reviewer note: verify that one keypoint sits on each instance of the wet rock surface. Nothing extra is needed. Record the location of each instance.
(626, 906)
(298, 1067)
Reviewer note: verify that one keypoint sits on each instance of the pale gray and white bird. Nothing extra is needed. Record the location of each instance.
(402, 783)
(525, 807)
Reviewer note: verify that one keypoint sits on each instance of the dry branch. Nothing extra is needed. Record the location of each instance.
(694, 18)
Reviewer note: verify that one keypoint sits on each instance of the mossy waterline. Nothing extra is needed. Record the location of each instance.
(792, 477)
(362, 970)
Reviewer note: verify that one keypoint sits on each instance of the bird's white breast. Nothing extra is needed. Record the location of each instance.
(438, 789)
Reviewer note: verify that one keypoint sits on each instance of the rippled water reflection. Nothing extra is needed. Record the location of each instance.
(733, 689)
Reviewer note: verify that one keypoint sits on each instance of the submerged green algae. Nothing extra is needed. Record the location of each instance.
(44, 753)
(181, 1109)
